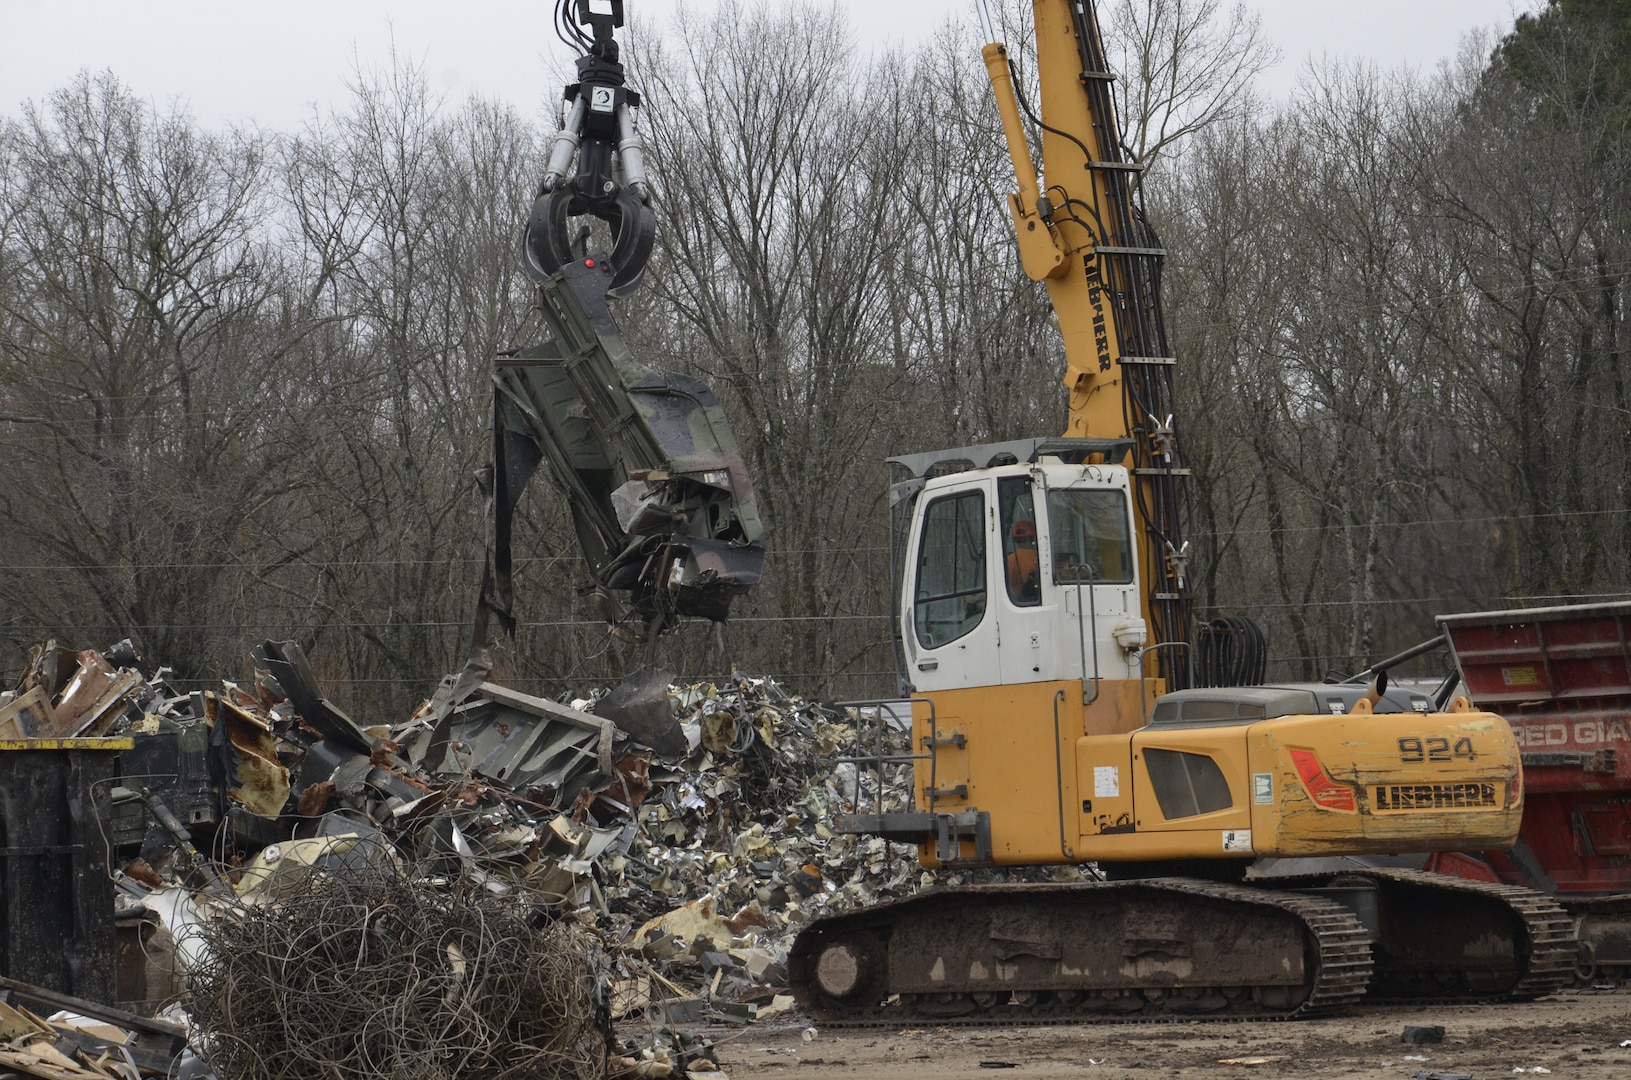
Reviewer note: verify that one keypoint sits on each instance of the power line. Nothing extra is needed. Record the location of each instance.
(1284, 605)
(328, 564)
(1518, 601)
(413, 625)
(773, 551)
(1488, 519)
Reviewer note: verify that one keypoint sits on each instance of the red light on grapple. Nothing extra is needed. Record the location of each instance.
(1321, 788)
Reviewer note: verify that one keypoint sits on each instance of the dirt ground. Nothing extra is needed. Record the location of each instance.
(1572, 1036)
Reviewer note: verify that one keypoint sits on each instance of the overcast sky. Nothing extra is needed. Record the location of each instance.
(227, 60)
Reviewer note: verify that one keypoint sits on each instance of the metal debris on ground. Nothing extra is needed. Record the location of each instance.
(47, 1034)
(1422, 1035)
(682, 827)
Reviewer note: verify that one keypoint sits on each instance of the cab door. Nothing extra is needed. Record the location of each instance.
(1063, 626)
(1026, 601)
(950, 622)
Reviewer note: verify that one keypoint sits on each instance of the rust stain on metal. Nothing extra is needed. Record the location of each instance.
(315, 799)
(263, 787)
(633, 781)
(27, 716)
(91, 700)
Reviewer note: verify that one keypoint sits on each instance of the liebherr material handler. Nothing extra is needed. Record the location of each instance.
(1058, 715)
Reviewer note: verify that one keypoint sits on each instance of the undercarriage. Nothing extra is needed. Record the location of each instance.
(1170, 948)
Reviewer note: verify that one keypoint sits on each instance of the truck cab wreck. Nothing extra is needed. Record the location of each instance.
(660, 499)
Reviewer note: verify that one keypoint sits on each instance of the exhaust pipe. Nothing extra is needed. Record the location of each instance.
(1378, 687)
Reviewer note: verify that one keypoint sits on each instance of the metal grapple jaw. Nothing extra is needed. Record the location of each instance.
(596, 164)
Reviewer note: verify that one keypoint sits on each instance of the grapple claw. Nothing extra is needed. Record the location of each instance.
(549, 242)
(636, 232)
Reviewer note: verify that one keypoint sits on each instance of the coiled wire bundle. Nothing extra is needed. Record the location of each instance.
(377, 972)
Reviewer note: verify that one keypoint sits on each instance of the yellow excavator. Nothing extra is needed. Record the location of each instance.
(1065, 710)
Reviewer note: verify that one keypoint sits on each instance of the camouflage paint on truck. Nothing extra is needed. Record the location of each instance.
(660, 498)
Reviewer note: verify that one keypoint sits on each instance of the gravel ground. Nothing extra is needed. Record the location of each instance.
(1571, 1036)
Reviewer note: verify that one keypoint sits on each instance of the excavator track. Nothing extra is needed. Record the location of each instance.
(1447, 939)
(1603, 925)
(1152, 950)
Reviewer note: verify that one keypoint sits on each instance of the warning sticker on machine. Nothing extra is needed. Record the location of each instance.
(1237, 840)
(1106, 782)
(1263, 788)
(1520, 676)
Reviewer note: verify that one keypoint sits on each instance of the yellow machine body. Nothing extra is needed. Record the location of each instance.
(1295, 785)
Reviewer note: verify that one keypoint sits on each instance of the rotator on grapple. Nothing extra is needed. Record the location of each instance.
(610, 180)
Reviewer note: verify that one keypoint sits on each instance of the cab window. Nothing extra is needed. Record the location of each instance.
(1088, 532)
(1017, 516)
(949, 598)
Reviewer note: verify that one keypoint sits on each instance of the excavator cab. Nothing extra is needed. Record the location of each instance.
(1023, 573)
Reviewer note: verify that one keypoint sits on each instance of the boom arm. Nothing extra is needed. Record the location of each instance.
(1082, 232)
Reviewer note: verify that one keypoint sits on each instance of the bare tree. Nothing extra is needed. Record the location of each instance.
(141, 328)
(777, 180)
(975, 337)
(405, 214)
(1184, 65)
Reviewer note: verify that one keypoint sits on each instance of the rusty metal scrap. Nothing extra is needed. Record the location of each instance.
(687, 835)
(57, 1036)
(66, 694)
(288, 674)
(27, 716)
(258, 781)
(87, 704)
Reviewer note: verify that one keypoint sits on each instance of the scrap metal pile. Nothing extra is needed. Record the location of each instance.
(683, 830)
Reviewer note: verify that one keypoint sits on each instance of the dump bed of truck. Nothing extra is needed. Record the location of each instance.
(1561, 676)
